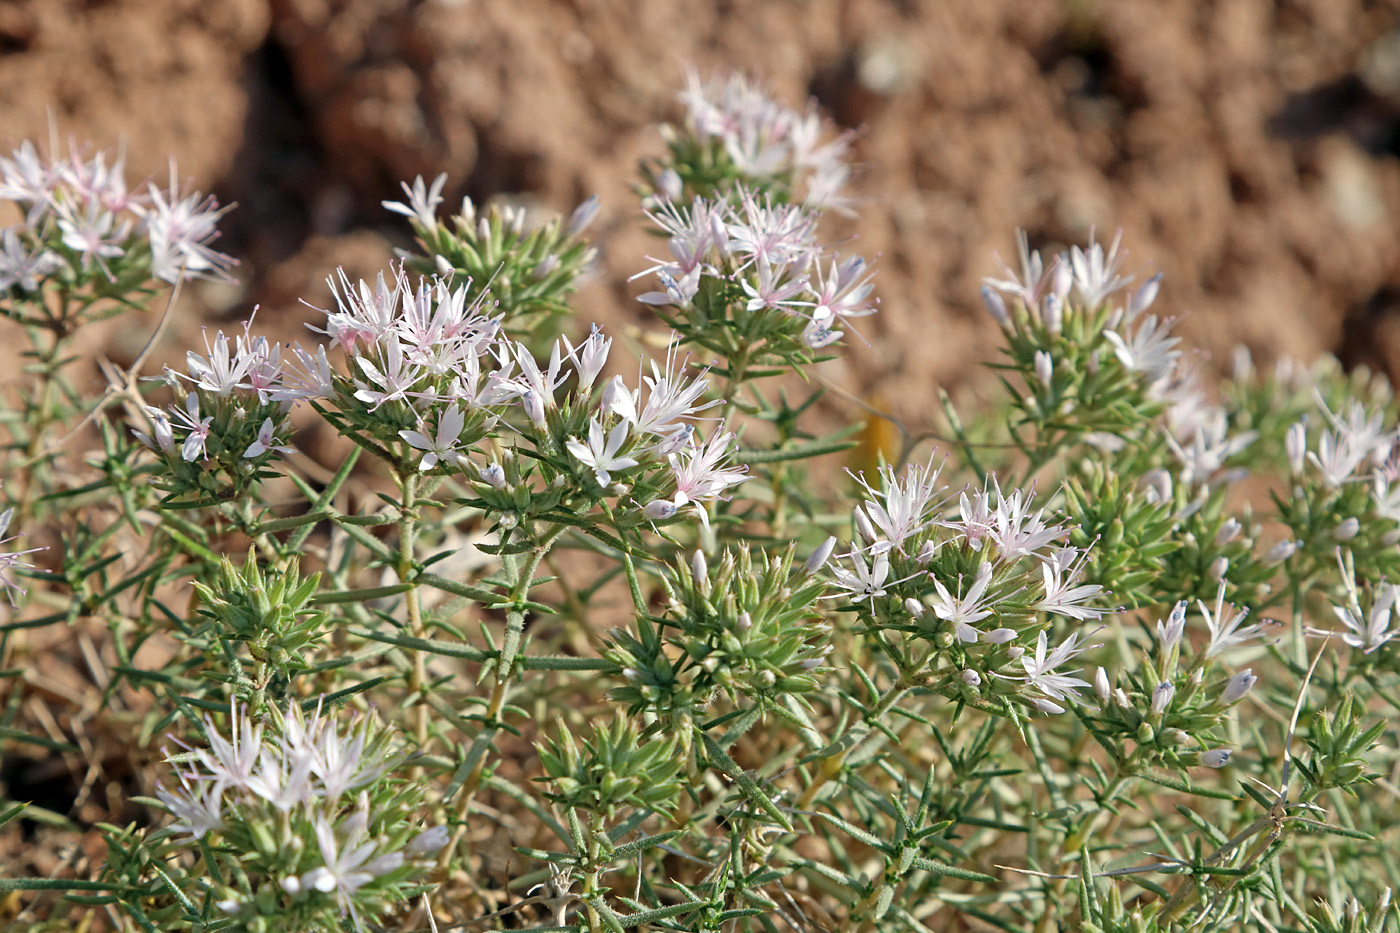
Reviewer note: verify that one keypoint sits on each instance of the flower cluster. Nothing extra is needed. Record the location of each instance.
(752, 273)
(976, 584)
(82, 222)
(735, 130)
(313, 823)
(230, 415)
(529, 269)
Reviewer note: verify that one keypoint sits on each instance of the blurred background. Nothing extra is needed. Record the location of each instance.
(1246, 148)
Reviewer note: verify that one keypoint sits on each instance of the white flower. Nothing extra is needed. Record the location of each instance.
(1027, 285)
(963, 611)
(901, 509)
(601, 452)
(1062, 597)
(1095, 272)
(441, 447)
(18, 266)
(348, 863)
(193, 447)
(265, 442)
(863, 581)
(1216, 757)
(1040, 669)
(197, 808)
(1369, 630)
(1170, 631)
(1224, 624)
(422, 201)
(589, 357)
(1149, 349)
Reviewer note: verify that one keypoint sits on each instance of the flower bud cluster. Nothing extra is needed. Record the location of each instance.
(529, 270)
(616, 767)
(307, 817)
(748, 629)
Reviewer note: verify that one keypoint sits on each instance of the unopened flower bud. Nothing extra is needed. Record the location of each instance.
(1169, 632)
(616, 399)
(493, 474)
(291, 884)
(995, 306)
(1044, 367)
(1281, 552)
(916, 608)
(1228, 532)
(1101, 686)
(660, 509)
(971, 678)
(669, 184)
(999, 636)
(1145, 733)
(863, 526)
(429, 841)
(819, 557)
(619, 489)
(444, 268)
(1053, 313)
(1177, 737)
(1218, 568)
(1120, 698)
(699, 569)
(1347, 529)
(926, 553)
(1156, 485)
(1216, 757)
(1239, 685)
(1047, 706)
(1162, 697)
(534, 407)
(1014, 653)
(1062, 279)
(1295, 444)
(583, 216)
(1146, 294)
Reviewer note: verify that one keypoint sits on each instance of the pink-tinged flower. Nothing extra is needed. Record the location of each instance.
(670, 398)
(600, 453)
(266, 441)
(701, 474)
(162, 436)
(777, 286)
(362, 315)
(1149, 349)
(349, 863)
(307, 376)
(198, 808)
(9, 560)
(181, 229)
(1367, 630)
(844, 290)
(589, 357)
(862, 581)
(19, 266)
(231, 762)
(441, 447)
(901, 509)
(94, 234)
(193, 447)
(1018, 531)
(422, 201)
(25, 178)
(781, 233)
